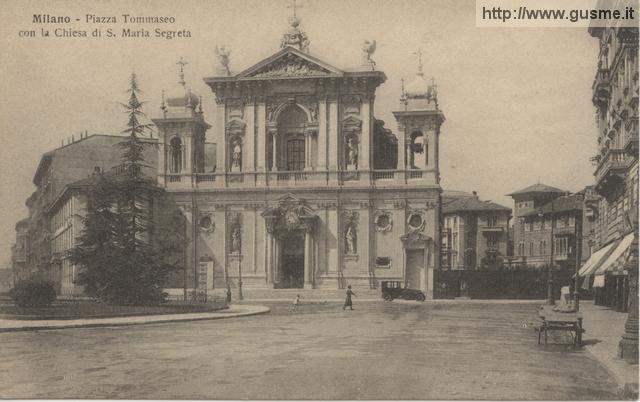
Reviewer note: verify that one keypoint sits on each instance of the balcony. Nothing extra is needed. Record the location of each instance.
(611, 171)
(491, 229)
(306, 178)
(631, 140)
(563, 256)
(601, 88)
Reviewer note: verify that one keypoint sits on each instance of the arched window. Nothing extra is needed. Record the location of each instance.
(417, 147)
(175, 155)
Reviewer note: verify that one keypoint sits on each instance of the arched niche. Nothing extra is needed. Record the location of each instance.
(175, 155)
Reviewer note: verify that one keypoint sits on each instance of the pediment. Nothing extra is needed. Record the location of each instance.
(290, 62)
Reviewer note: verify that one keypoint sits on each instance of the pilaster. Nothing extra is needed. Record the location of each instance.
(249, 157)
(221, 149)
(322, 134)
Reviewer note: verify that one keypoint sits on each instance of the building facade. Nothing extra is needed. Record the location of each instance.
(309, 189)
(475, 233)
(38, 247)
(548, 230)
(615, 97)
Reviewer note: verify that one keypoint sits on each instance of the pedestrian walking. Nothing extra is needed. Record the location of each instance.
(348, 302)
(228, 293)
(296, 303)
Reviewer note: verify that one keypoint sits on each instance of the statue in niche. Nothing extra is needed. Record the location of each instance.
(351, 240)
(236, 157)
(352, 153)
(236, 238)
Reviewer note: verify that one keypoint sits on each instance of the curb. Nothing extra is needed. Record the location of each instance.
(174, 318)
(626, 390)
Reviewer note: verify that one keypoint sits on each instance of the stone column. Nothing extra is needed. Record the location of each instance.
(262, 136)
(162, 157)
(268, 241)
(308, 267)
(307, 151)
(334, 141)
(322, 134)
(221, 148)
(401, 150)
(248, 152)
(274, 152)
(365, 149)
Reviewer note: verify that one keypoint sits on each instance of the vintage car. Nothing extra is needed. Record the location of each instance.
(394, 290)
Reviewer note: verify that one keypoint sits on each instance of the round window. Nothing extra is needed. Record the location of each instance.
(415, 221)
(206, 223)
(383, 221)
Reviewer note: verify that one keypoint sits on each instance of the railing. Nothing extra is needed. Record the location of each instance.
(385, 177)
(205, 177)
(614, 159)
(383, 174)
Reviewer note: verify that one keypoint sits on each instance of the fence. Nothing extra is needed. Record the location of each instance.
(499, 284)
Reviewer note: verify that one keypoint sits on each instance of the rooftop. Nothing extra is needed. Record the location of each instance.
(573, 202)
(472, 204)
(538, 188)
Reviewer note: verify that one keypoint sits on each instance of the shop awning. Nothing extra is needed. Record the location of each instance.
(616, 260)
(595, 260)
(615, 256)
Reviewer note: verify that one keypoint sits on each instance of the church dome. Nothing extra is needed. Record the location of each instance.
(180, 96)
(418, 88)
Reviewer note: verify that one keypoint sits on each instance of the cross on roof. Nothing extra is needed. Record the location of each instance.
(294, 6)
(419, 54)
(181, 63)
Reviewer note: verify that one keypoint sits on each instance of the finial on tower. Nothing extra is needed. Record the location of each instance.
(181, 63)
(294, 7)
(295, 37)
(419, 54)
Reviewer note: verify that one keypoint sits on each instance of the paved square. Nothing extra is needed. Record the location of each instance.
(432, 350)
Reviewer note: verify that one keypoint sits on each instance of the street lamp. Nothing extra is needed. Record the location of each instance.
(550, 299)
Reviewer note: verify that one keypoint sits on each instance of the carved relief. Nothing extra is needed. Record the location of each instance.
(290, 65)
(383, 221)
(235, 127)
(351, 104)
(235, 108)
(416, 220)
(311, 103)
(206, 224)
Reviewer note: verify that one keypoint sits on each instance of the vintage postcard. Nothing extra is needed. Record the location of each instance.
(319, 199)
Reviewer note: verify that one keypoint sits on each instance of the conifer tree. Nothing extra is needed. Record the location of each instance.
(123, 262)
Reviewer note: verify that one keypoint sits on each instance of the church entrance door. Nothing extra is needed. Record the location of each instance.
(415, 265)
(292, 261)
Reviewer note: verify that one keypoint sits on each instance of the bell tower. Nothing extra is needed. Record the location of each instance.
(181, 133)
(419, 120)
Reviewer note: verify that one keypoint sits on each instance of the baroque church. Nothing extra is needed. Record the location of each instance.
(309, 189)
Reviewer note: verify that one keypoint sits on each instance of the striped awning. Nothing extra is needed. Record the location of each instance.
(596, 259)
(616, 260)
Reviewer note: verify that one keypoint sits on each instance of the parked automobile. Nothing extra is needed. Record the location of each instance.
(395, 290)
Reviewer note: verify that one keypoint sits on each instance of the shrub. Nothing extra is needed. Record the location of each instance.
(33, 293)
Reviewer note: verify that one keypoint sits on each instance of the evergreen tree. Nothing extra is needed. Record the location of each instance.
(123, 262)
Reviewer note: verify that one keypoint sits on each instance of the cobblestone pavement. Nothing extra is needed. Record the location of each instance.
(378, 351)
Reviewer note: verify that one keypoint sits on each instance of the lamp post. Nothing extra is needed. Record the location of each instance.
(578, 256)
(550, 299)
(628, 345)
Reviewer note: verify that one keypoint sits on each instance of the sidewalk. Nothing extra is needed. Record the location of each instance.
(32, 325)
(604, 328)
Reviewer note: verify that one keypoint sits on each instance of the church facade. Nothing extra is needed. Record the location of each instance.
(309, 189)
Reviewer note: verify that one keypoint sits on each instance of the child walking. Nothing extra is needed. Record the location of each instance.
(296, 303)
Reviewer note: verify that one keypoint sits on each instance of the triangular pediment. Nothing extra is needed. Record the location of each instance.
(290, 62)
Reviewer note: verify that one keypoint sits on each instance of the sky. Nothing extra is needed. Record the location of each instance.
(517, 101)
